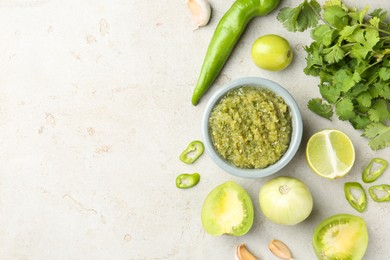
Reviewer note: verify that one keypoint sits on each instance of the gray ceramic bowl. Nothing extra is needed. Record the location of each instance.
(296, 135)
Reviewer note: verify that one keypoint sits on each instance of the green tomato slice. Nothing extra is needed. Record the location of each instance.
(227, 209)
(341, 236)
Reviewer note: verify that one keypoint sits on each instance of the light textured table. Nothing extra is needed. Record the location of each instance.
(94, 112)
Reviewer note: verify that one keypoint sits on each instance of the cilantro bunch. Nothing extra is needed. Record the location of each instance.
(350, 54)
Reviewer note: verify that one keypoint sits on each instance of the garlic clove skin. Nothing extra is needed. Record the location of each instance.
(242, 253)
(279, 249)
(200, 11)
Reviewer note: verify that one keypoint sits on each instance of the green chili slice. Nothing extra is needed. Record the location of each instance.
(370, 175)
(380, 193)
(186, 180)
(192, 152)
(355, 195)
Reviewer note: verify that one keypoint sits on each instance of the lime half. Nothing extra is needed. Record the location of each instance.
(330, 153)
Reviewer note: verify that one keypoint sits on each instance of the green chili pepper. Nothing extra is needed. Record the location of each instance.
(383, 189)
(192, 152)
(369, 175)
(186, 180)
(355, 195)
(227, 33)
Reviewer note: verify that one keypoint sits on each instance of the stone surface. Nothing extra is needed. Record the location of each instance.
(94, 112)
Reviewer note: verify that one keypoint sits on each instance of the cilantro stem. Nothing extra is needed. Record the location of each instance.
(375, 28)
(329, 110)
(373, 79)
(371, 65)
(348, 45)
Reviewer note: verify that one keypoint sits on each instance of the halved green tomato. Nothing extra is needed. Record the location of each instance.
(341, 236)
(227, 209)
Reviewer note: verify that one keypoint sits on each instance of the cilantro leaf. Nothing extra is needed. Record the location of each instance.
(347, 31)
(375, 21)
(351, 56)
(385, 92)
(379, 111)
(336, 16)
(379, 135)
(335, 2)
(360, 122)
(332, 2)
(333, 54)
(314, 60)
(365, 40)
(356, 77)
(344, 109)
(357, 90)
(364, 99)
(358, 15)
(343, 80)
(300, 18)
(320, 108)
(384, 73)
(380, 89)
(372, 38)
(329, 93)
(386, 62)
(379, 13)
(323, 34)
(358, 66)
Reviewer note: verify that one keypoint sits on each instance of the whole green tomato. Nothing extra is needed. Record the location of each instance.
(272, 52)
(285, 200)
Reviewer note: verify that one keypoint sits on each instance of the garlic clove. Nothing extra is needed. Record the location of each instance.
(242, 253)
(279, 249)
(200, 10)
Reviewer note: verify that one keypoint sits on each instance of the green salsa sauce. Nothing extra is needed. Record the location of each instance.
(251, 127)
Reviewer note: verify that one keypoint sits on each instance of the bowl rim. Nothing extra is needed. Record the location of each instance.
(296, 135)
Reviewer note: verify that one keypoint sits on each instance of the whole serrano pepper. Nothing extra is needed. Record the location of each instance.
(227, 33)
